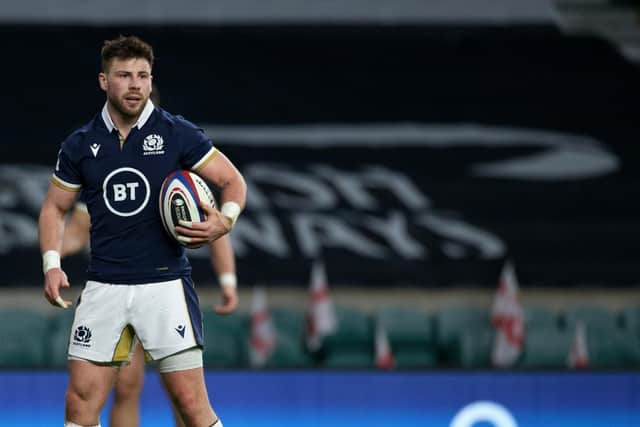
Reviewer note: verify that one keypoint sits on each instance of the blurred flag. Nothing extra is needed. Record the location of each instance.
(508, 319)
(384, 356)
(321, 315)
(263, 334)
(579, 354)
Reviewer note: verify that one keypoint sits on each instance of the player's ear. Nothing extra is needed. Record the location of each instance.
(102, 80)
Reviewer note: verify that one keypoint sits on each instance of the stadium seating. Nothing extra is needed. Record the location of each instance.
(452, 323)
(23, 342)
(614, 349)
(226, 340)
(475, 348)
(546, 348)
(593, 317)
(458, 336)
(537, 316)
(58, 342)
(289, 353)
(411, 334)
(351, 346)
(630, 319)
(288, 321)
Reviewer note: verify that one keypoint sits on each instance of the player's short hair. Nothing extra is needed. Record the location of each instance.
(125, 47)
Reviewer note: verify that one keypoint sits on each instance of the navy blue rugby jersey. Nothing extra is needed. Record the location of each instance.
(120, 183)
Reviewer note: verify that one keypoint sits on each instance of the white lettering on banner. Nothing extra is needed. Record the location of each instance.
(315, 231)
(320, 193)
(565, 155)
(264, 233)
(395, 231)
(307, 192)
(288, 212)
(312, 193)
(17, 230)
(352, 186)
(489, 245)
(24, 183)
(256, 199)
(486, 411)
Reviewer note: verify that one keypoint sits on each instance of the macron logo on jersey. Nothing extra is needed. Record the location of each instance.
(153, 145)
(94, 149)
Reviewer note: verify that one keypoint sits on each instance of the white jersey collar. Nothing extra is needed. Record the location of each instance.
(144, 116)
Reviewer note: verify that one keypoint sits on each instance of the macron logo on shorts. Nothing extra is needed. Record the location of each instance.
(180, 329)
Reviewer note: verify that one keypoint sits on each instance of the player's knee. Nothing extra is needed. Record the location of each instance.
(187, 401)
(128, 387)
(77, 397)
(122, 393)
(79, 405)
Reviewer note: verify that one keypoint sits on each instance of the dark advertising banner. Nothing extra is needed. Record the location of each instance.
(397, 204)
(404, 155)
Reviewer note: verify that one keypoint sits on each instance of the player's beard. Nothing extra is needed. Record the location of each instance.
(120, 105)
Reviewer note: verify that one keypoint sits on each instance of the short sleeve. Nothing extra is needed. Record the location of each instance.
(197, 148)
(66, 174)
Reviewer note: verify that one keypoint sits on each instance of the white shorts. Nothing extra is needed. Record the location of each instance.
(164, 317)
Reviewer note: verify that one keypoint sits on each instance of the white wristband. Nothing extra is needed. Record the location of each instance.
(50, 259)
(228, 279)
(231, 210)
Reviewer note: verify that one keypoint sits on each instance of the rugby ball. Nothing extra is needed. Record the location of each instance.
(181, 194)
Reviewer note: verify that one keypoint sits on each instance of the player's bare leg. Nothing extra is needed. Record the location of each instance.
(125, 411)
(189, 396)
(87, 392)
(176, 416)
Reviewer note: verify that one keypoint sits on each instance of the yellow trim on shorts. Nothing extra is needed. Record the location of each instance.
(123, 347)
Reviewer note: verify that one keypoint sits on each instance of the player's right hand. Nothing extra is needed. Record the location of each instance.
(54, 279)
(195, 234)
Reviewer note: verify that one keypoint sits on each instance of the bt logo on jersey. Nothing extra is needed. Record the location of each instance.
(120, 192)
(126, 191)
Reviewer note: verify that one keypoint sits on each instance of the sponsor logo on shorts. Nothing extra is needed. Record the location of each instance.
(82, 336)
(180, 329)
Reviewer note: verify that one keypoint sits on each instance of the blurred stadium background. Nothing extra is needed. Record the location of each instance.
(445, 192)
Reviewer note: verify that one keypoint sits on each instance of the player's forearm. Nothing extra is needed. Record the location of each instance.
(50, 227)
(76, 232)
(234, 190)
(222, 259)
(71, 244)
(229, 181)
